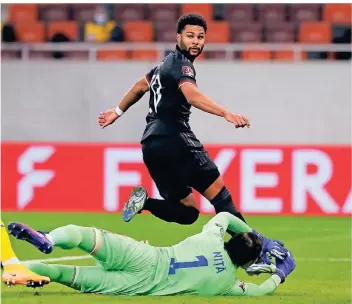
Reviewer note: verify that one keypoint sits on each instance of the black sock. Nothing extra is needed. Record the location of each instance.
(171, 211)
(222, 202)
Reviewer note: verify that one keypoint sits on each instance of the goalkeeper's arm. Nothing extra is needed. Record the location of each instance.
(250, 289)
(228, 222)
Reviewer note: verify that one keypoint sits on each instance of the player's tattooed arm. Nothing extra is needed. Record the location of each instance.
(197, 99)
(132, 96)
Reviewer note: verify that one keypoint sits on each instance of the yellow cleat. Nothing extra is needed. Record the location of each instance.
(17, 274)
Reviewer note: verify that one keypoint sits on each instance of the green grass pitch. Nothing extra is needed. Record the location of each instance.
(321, 246)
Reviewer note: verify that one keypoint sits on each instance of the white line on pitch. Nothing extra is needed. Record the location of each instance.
(67, 258)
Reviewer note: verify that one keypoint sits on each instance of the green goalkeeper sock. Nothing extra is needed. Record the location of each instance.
(63, 274)
(86, 238)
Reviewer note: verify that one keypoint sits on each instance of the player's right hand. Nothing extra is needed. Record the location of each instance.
(240, 121)
(107, 118)
(285, 267)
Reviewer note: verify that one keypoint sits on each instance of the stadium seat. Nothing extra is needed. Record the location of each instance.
(218, 32)
(10, 55)
(238, 13)
(315, 32)
(283, 55)
(256, 55)
(203, 9)
(129, 12)
(165, 32)
(23, 13)
(251, 32)
(341, 33)
(40, 55)
(53, 12)
(112, 55)
(83, 12)
(138, 31)
(315, 55)
(69, 28)
(271, 13)
(304, 12)
(161, 12)
(215, 55)
(337, 13)
(280, 33)
(145, 55)
(77, 55)
(31, 32)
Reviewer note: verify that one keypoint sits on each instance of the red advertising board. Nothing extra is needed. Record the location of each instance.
(297, 180)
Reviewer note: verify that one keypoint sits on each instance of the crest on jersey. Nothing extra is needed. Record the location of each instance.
(242, 286)
(187, 71)
(222, 232)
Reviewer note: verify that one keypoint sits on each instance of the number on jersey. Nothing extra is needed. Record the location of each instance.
(155, 86)
(201, 262)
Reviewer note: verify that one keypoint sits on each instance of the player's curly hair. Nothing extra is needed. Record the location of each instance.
(191, 19)
(243, 248)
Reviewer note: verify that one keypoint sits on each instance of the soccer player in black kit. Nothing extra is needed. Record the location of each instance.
(175, 158)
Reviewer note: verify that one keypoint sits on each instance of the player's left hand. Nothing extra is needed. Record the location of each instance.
(275, 248)
(107, 118)
(240, 121)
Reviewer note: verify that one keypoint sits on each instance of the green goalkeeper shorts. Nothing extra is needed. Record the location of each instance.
(127, 267)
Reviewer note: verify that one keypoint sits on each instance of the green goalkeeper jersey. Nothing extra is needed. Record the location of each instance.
(200, 264)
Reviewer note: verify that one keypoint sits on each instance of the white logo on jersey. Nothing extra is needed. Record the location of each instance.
(188, 71)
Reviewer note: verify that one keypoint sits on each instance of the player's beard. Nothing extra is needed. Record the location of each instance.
(188, 50)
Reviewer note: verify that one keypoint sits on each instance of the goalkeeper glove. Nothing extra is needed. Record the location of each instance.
(285, 267)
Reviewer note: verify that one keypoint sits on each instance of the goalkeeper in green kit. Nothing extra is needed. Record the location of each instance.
(203, 264)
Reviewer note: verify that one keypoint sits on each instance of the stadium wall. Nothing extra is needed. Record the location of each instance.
(295, 159)
(303, 103)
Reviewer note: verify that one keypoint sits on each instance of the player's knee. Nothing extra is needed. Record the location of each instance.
(73, 236)
(207, 181)
(71, 227)
(189, 201)
(72, 230)
(190, 216)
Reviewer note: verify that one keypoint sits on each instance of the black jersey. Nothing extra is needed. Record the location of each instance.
(169, 110)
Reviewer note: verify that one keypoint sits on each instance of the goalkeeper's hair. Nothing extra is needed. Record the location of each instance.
(243, 248)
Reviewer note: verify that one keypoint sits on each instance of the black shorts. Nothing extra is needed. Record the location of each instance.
(178, 164)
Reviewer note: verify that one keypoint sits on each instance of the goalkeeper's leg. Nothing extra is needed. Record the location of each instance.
(72, 276)
(112, 251)
(93, 279)
(63, 274)
(67, 237)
